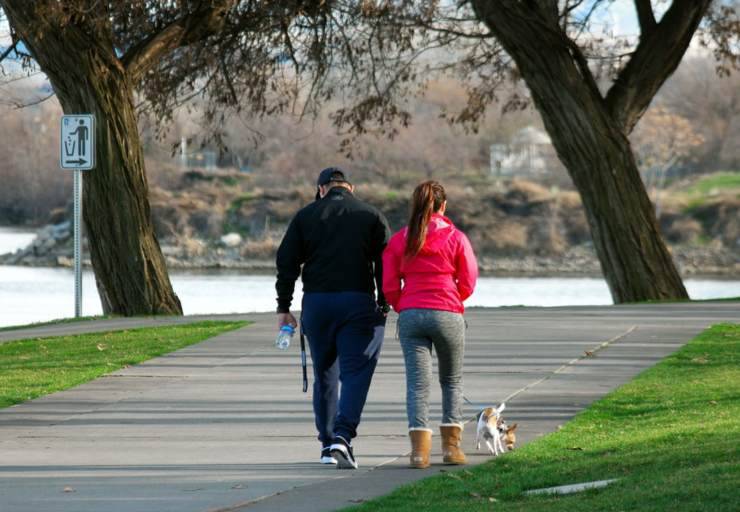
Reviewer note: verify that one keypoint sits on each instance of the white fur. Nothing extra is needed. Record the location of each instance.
(488, 433)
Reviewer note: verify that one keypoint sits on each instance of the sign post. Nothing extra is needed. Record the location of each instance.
(77, 241)
(77, 152)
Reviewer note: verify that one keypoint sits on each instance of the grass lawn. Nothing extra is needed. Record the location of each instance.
(34, 367)
(671, 437)
(720, 182)
(704, 189)
(56, 322)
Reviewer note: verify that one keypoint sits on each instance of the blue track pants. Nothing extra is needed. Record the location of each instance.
(345, 333)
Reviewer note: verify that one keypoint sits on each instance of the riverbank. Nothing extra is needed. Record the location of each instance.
(52, 248)
(518, 228)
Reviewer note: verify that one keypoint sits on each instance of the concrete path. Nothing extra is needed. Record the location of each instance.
(223, 425)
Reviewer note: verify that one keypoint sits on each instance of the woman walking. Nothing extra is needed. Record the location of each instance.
(429, 269)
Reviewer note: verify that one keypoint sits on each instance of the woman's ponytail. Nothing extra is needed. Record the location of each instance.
(427, 198)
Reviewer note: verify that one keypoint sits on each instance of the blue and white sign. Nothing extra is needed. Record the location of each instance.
(78, 142)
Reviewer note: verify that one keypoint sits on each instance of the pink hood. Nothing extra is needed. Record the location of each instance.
(441, 276)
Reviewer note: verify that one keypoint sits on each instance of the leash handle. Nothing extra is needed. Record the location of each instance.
(303, 359)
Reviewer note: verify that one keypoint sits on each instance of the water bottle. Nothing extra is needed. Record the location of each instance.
(284, 336)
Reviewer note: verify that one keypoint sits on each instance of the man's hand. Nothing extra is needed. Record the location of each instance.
(384, 309)
(286, 319)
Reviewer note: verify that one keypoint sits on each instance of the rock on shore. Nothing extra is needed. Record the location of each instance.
(52, 247)
(516, 227)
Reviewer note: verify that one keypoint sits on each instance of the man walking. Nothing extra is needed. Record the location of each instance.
(339, 241)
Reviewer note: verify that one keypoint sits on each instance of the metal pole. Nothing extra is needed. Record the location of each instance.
(77, 243)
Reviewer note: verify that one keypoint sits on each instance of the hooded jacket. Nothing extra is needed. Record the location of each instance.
(441, 276)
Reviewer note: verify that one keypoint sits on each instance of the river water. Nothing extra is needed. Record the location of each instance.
(30, 294)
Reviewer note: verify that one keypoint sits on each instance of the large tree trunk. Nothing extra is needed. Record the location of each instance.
(592, 145)
(87, 77)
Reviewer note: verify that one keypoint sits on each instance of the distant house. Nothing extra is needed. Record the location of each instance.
(209, 160)
(200, 159)
(205, 160)
(529, 153)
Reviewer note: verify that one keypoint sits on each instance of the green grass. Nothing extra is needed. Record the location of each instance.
(671, 437)
(34, 367)
(230, 181)
(56, 322)
(234, 207)
(704, 189)
(720, 181)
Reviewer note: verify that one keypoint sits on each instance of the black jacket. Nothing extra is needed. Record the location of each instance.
(339, 240)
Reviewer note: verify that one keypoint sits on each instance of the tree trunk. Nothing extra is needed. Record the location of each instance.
(634, 259)
(87, 77)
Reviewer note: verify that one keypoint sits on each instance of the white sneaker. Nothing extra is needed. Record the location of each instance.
(326, 457)
(341, 450)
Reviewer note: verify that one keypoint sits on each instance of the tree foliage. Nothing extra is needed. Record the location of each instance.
(405, 41)
(260, 57)
(664, 138)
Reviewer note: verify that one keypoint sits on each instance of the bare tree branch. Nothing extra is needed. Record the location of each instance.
(8, 51)
(645, 16)
(199, 24)
(583, 24)
(23, 104)
(656, 57)
(570, 7)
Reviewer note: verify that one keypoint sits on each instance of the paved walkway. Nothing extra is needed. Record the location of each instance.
(223, 425)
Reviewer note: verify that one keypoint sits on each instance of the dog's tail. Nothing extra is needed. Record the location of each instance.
(500, 408)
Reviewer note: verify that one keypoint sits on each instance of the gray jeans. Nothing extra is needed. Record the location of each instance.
(419, 331)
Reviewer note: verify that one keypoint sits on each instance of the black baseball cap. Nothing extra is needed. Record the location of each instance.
(332, 174)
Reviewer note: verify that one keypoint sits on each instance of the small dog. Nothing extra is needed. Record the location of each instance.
(508, 435)
(493, 429)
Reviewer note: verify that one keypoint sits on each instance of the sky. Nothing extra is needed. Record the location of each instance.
(621, 16)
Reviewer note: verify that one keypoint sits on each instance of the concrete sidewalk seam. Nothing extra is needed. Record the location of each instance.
(241, 505)
(570, 363)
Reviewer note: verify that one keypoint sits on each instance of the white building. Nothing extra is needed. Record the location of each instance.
(528, 154)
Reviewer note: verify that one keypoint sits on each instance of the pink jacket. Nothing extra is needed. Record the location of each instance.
(440, 277)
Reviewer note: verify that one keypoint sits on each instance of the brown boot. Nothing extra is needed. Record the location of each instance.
(421, 446)
(451, 444)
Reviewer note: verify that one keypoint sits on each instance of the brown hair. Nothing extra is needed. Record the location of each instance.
(428, 197)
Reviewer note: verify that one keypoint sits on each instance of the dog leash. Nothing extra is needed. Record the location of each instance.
(477, 406)
(303, 356)
(469, 402)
